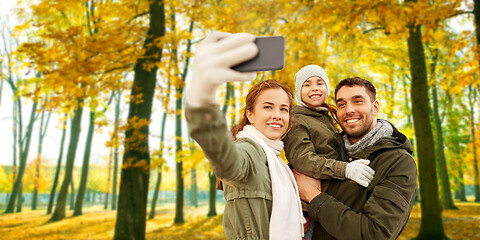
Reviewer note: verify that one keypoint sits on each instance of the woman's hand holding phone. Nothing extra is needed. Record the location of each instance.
(213, 62)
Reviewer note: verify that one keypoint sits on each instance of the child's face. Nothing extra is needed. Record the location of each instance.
(314, 92)
(270, 113)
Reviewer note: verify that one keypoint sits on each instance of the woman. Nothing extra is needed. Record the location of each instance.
(261, 193)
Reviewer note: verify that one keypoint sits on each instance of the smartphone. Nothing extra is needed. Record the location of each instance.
(271, 55)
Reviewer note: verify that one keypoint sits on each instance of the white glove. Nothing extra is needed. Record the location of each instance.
(360, 172)
(214, 57)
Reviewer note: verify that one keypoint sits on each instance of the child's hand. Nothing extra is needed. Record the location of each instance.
(360, 172)
(214, 58)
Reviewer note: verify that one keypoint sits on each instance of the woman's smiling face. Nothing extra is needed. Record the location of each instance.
(270, 114)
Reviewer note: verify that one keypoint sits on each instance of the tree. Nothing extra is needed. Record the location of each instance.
(193, 187)
(132, 202)
(457, 141)
(472, 99)
(21, 141)
(38, 161)
(178, 79)
(81, 56)
(57, 170)
(72, 195)
(109, 179)
(159, 160)
(431, 223)
(59, 212)
(476, 13)
(86, 158)
(115, 144)
(445, 193)
(179, 87)
(155, 193)
(24, 143)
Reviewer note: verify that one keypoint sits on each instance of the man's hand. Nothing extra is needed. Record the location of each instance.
(360, 172)
(306, 225)
(308, 187)
(213, 60)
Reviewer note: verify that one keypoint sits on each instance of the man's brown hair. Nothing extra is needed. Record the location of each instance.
(357, 81)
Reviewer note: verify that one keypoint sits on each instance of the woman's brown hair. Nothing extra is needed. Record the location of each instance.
(252, 97)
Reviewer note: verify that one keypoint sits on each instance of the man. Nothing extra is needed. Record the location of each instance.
(347, 210)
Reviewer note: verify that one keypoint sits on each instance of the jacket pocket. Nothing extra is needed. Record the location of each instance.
(246, 193)
(392, 196)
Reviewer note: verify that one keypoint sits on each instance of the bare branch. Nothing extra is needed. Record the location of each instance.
(373, 29)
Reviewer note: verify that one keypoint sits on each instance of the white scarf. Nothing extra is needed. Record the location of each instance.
(287, 219)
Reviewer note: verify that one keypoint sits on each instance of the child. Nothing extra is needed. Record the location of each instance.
(313, 146)
(261, 193)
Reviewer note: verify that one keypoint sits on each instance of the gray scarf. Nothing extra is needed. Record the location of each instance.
(383, 129)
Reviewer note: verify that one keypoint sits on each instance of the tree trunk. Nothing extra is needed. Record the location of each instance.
(34, 199)
(408, 109)
(431, 223)
(17, 124)
(57, 171)
(115, 151)
(86, 161)
(132, 202)
(472, 99)
(15, 127)
(16, 191)
(155, 194)
(88, 199)
(159, 170)
(193, 188)
(179, 201)
(105, 206)
(72, 195)
(445, 192)
(476, 13)
(460, 194)
(20, 199)
(179, 164)
(38, 161)
(60, 207)
(109, 178)
(212, 211)
(179, 198)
